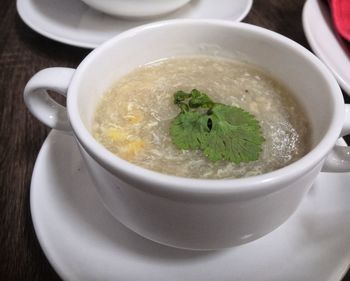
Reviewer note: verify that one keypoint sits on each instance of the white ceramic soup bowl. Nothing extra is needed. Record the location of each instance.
(185, 212)
(136, 8)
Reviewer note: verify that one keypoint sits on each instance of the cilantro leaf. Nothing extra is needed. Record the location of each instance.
(235, 135)
(199, 99)
(189, 130)
(221, 131)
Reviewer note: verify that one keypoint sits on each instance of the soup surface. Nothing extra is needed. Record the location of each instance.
(134, 116)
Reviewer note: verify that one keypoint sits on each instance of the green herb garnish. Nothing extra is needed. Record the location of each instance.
(221, 131)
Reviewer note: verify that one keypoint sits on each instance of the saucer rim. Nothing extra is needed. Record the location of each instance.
(90, 45)
(61, 272)
(60, 269)
(37, 28)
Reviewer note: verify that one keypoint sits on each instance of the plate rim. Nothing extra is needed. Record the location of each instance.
(315, 48)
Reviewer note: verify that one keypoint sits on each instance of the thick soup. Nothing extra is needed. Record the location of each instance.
(134, 116)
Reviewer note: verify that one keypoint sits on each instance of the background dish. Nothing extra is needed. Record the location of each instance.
(326, 44)
(74, 23)
(86, 243)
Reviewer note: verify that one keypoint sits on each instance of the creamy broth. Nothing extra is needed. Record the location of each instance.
(133, 117)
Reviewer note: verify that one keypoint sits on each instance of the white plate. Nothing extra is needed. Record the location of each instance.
(325, 42)
(74, 23)
(83, 242)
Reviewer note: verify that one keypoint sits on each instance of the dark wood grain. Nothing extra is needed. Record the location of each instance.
(22, 53)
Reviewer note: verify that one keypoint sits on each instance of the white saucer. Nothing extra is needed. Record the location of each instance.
(83, 242)
(325, 42)
(74, 23)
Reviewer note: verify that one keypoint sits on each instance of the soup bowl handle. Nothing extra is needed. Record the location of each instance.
(41, 104)
(338, 159)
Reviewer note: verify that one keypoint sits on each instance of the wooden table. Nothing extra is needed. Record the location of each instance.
(22, 53)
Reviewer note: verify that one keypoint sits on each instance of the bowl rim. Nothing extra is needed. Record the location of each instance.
(158, 183)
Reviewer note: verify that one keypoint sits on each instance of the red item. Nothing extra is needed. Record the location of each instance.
(341, 16)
